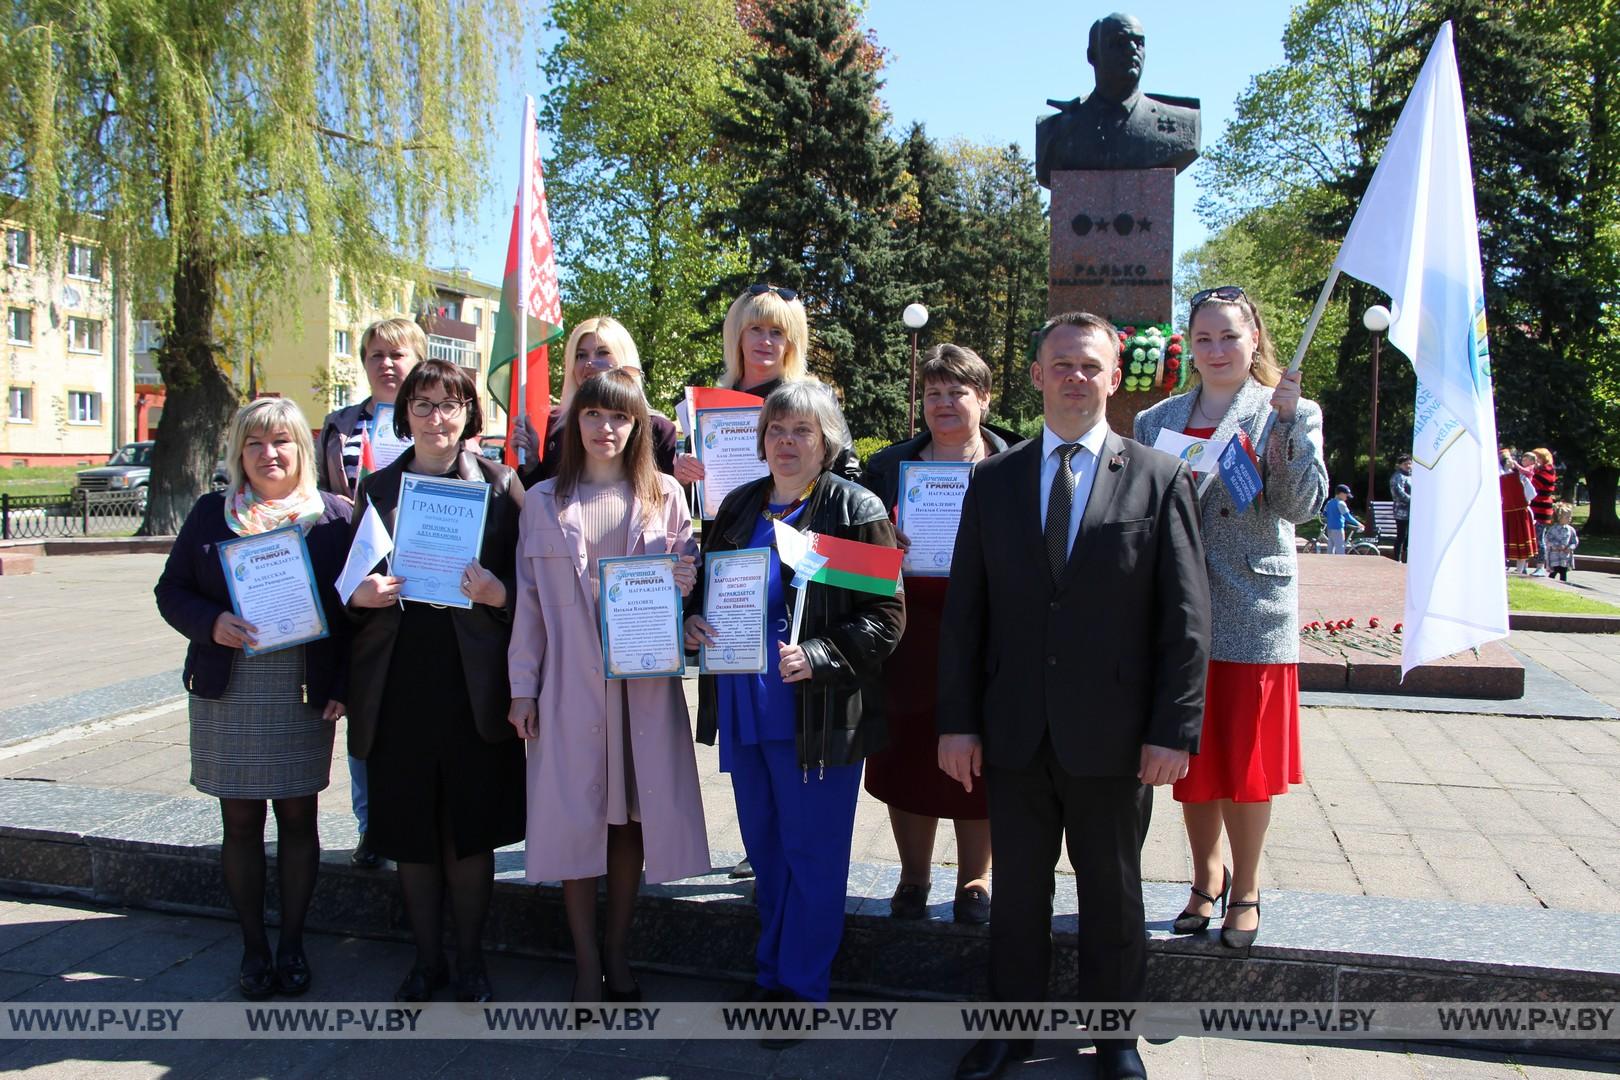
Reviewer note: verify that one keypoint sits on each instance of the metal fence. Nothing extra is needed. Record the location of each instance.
(90, 513)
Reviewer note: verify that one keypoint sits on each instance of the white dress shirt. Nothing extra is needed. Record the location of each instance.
(1084, 466)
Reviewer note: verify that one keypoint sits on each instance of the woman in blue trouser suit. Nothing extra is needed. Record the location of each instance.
(793, 738)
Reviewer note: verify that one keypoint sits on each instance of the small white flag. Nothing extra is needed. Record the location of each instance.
(371, 546)
(793, 547)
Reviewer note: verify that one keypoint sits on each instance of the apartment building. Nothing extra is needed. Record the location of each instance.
(64, 353)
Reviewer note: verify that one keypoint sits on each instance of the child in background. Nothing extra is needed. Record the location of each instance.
(1561, 542)
(1337, 516)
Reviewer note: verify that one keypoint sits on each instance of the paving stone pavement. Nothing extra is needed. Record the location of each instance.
(52, 952)
(1484, 809)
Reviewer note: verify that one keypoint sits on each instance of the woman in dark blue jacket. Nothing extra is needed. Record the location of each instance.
(262, 725)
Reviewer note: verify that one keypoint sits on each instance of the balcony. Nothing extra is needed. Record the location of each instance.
(462, 353)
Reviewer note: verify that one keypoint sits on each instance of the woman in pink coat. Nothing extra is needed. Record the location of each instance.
(612, 776)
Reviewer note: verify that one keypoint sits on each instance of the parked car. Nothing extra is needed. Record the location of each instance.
(493, 447)
(130, 469)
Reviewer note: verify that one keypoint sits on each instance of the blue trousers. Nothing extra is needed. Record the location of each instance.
(358, 791)
(797, 833)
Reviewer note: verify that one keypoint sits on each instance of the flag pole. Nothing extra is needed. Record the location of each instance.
(1299, 358)
(798, 612)
(525, 209)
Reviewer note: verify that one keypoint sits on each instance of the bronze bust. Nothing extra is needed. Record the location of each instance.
(1117, 126)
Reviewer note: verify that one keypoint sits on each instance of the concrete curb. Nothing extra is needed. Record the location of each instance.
(1563, 623)
(91, 545)
(1314, 947)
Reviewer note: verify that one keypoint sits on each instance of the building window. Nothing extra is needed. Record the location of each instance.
(84, 407)
(477, 315)
(84, 261)
(340, 290)
(340, 343)
(84, 335)
(19, 326)
(20, 405)
(340, 396)
(19, 252)
(148, 336)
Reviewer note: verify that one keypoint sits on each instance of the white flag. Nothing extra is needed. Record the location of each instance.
(371, 545)
(1415, 236)
(793, 548)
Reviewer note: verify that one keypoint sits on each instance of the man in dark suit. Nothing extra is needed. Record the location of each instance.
(1072, 661)
(1117, 126)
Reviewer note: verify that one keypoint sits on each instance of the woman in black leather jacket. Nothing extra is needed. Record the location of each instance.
(794, 737)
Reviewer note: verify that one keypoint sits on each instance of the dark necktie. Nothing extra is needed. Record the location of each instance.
(1058, 504)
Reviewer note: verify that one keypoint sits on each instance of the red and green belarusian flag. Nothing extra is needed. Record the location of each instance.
(368, 457)
(530, 318)
(847, 564)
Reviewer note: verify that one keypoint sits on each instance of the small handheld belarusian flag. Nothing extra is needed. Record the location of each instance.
(368, 458)
(847, 564)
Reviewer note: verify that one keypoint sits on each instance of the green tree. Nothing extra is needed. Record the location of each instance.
(208, 140)
(819, 212)
(997, 274)
(636, 167)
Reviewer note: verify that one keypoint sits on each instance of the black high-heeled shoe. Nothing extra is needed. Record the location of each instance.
(257, 977)
(420, 983)
(1242, 939)
(1190, 922)
(292, 974)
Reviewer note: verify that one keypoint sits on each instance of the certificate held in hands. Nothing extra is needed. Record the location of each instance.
(734, 607)
(640, 607)
(929, 512)
(273, 587)
(727, 444)
(439, 530)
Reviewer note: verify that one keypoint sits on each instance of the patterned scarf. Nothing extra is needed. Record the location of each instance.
(247, 514)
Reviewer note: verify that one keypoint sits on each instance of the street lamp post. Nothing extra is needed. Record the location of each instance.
(1375, 319)
(915, 317)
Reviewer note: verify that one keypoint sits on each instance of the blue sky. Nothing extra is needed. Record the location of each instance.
(980, 71)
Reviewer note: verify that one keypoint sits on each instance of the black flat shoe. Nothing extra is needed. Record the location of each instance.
(1241, 939)
(1190, 922)
(257, 978)
(988, 1057)
(631, 995)
(362, 857)
(755, 994)
(474, 986)
(420, 983)
(1120, 1062)
(742, 871)
(909, 902)
(972, 906)
(292, 974)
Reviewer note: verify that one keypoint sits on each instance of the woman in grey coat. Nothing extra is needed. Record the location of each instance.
(1250, 746)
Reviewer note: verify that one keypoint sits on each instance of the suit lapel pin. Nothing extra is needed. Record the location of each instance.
(1116, 463)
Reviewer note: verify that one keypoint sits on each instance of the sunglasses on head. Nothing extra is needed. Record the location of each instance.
(759, 288)
(1230, 293)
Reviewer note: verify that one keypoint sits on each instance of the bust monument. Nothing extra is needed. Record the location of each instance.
(1117, 126)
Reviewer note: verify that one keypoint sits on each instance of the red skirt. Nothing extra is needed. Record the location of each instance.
(1250, 747)
(906, 773)
(1518, 530)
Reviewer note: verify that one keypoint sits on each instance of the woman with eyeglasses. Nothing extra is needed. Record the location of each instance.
(430, 698)
(262, 724)
(1249, 751)
(613, 783)
(793, 738)
(595, 345)
(767, 342)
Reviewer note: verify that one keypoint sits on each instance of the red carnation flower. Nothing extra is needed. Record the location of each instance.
(1397, 628)
(1130, 329)
(1372, 623)
(1173, 350)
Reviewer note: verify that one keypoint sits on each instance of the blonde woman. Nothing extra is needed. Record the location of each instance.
(262, 725)
(596, 345)
(767, 342)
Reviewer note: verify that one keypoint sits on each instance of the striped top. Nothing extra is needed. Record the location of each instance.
(1546, 484)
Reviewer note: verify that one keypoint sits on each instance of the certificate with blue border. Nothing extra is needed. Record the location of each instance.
(439, 530)
(735, 584)
(639, 606)
(726, 443)
(272, 586)
(929, 511)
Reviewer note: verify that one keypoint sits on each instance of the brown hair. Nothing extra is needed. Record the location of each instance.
(1264, 367)
(616, 390)
(1085, 320)
(455, 382)
(955, 363)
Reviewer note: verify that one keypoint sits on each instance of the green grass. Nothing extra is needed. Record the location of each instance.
(1593, 545)
(1526, 595)
(38, 479)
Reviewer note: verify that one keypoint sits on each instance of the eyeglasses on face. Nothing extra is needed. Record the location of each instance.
(1230, 293)
(449, 408)
(759, 288)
